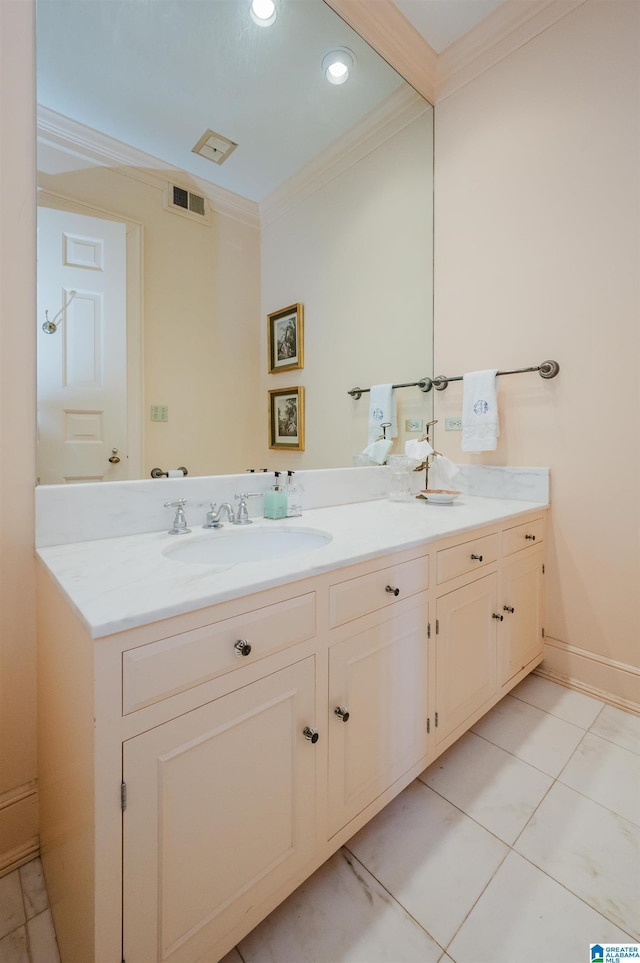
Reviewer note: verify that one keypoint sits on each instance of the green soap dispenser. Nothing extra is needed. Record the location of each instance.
(275, 500)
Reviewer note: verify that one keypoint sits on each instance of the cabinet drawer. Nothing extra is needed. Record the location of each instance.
(368, 593)
(156, 671)
(461, 559)
(522, 536)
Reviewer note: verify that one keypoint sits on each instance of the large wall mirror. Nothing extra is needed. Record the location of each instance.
(158, 267)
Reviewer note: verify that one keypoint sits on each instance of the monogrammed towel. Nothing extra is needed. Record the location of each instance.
(480, 426)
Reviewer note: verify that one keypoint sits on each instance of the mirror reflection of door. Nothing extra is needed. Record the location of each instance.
(82, 375)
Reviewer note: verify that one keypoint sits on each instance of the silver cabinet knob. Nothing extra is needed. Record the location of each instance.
(242, 647)
(508, 608)
(476, 558)
(500, 618)
(311, 735)
(531, 538)
(392, 590)
(342, 713)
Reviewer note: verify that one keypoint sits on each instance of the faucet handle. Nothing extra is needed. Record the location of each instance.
(180, 521)
(242, 515)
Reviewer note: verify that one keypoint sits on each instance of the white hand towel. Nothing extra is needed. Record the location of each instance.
(383, 406)
(417, 452)
(378, 450)
(442, 473)
(480, 426)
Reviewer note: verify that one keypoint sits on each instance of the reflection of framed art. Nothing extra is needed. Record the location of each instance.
(286, 418)
(286, 339)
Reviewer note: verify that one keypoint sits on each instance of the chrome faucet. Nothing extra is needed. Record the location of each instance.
(214, 516)
(180, 521)
(242, 515)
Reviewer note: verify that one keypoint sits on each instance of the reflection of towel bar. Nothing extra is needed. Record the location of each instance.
(159, 473)
(548, 369)
(424, 384)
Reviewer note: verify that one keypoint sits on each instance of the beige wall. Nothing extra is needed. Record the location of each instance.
(537, 255)
(358, 254)
(18, 812)
(200, 313)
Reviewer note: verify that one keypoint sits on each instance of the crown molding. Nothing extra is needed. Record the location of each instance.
(436, 76)
(394, 114)
(381, 24)
(509, 27)
(92, 147)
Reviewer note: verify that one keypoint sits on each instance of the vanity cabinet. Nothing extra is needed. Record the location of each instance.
(466, 645)
(522, 627)
(220, 810)
(194, 771)
(489, 627)
(379, 677)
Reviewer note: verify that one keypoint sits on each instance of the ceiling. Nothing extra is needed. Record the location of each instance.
(155, 74)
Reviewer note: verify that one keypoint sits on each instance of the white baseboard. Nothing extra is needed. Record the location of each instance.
(595, 675)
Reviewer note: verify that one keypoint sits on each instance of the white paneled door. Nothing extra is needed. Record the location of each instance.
(82, 365)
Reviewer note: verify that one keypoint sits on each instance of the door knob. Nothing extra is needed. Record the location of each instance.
(115, 458)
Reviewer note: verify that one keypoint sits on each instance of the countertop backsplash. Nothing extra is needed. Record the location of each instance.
(86, 512)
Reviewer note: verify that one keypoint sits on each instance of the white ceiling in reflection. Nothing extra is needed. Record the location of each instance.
(155, 74)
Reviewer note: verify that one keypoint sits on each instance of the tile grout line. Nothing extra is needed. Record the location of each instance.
(391, 895)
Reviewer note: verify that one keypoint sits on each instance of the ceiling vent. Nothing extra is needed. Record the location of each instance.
(214, 147)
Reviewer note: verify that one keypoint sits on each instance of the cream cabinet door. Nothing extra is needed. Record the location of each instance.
(380, 677)
(522, 597)
(466, 670)
(220, 811)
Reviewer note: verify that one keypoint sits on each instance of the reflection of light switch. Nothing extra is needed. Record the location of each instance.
(414, 424)
(159, 413)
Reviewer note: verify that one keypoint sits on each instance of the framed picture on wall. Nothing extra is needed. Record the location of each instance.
(285, 330)
(286, 418)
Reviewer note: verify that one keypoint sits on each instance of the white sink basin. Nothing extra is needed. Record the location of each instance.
(248, 545)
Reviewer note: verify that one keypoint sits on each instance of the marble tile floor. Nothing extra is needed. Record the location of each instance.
(520, 844)
(26, 928)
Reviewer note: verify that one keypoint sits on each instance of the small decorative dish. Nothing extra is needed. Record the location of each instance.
(439, 496)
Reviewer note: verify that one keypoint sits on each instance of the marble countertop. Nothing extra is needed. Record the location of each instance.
(119, 583)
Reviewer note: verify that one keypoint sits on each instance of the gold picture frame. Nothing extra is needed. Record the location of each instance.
(286, 418)
(285, 334)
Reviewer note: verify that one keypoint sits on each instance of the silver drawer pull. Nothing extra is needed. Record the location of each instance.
(311, 735)
(531, 538)
(342, 713)
(476, 558)
(392, 590)
(242, 647)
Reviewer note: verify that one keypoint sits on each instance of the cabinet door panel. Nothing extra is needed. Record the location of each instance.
(466, 670)
(220, 810)
(380, 677)
(520, 633)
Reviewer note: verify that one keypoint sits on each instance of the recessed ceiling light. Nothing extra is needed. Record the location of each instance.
(337, 65)
(263, 12)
